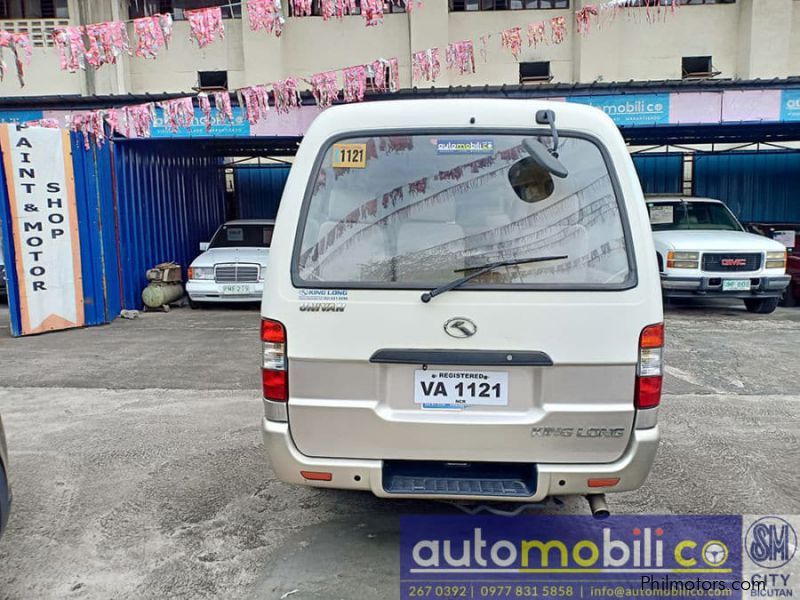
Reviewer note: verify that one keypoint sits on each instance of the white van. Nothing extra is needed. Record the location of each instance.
(463, 303)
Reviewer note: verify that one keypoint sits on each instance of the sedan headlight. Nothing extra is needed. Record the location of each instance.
(776, 260)
(201, 272)
(683, 260)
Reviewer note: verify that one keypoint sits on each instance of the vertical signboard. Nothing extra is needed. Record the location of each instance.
(44, 227)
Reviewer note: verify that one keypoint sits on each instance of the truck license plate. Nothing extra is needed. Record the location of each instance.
(460, 389)
(735, 285)
(237, 290)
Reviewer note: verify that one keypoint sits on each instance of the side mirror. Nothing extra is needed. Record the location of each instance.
(204, 246)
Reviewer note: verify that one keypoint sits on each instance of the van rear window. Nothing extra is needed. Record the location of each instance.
(416, 211)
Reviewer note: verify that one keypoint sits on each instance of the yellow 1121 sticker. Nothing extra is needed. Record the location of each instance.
(349, 156)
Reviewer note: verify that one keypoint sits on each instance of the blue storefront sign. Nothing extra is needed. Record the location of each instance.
(790, 105)
(236, 128)
(631, 109)
(19, 116)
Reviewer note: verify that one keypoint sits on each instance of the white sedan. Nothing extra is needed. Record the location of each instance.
(703, 251)
(232, 265)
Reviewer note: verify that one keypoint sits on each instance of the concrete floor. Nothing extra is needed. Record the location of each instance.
(138, 471)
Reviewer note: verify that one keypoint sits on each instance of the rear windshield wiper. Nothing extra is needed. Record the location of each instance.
(480, 270)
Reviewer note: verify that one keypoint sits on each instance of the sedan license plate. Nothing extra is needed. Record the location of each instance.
(736, 285)
(460, 389)
(237, 290)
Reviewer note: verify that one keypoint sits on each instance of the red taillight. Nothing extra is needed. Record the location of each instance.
(649, 374)
(274, 373)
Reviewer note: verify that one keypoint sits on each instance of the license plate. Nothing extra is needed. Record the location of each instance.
(237, 290)
(460, 389)
(735, 285)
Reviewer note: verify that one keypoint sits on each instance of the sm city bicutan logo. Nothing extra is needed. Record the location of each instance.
(638, 550)
(770, 542)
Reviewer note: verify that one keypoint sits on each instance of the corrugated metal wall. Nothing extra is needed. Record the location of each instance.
(757, 186)
(94, 194)
(170, 198)
(259, 190)
(660, 173)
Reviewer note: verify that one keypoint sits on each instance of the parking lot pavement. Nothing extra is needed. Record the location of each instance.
(138, 471)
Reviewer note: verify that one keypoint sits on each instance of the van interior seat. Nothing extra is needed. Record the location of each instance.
(428, 227)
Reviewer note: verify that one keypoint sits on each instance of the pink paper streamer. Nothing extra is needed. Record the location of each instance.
(558, 29)
(301, 8)
(178, 113)
(107, 41)
(461, 57)
(204, 103)
(425, 64)
(372, 11)
(285, 95)
(255, 100)
(325, 88)
(206, 25)
(537, 34)
(152, 34)
(583, 18)
(266, 15)
(511, 39)
(21, 47)
(355, 83)
(222, 102)
(69, 44)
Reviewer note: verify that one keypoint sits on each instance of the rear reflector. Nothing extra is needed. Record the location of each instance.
(316, 475)
(648, 392)
(599, 483)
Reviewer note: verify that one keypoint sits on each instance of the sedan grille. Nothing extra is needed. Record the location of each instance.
(728, 262)
(236, 273)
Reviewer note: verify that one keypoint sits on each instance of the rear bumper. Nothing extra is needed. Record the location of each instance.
(553, 479)
(711, 287)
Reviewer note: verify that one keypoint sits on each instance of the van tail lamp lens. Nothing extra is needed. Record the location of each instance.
(599, 483)
(683, 260)
(649, 369)
(316, 475)
(776, 260)
(274, 373)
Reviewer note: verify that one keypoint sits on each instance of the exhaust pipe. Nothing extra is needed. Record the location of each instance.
(598, 506)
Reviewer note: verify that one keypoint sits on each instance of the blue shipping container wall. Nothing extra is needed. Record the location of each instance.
(170, 198)
(756, 186)
(9, 256)
(660, 173)
(98, 232)
(259, 190)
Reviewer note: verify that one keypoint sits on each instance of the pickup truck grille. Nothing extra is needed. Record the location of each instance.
(726, 262)
(236, 273)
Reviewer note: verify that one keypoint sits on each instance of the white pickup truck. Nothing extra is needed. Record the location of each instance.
(703, 251)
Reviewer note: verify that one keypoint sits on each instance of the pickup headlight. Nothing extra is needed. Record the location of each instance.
(201, 272)
(683, 260)
(776, 260)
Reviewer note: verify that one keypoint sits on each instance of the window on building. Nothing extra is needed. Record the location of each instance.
(34, 9)
(207, 80)
(534, 72)
(389, 6)
(472, 5)
(694, 67)
(231, 9)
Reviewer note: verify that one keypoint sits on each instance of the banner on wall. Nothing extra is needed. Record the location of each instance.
(44, 226)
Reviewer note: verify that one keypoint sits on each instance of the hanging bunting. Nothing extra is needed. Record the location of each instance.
(285, 95)
(152, 34)
(266, 15)
(410, 4)
(485, 47)
(138, 119)
(425, 64)
(301, 8)
(204, 103)
(537, 34)
(222, 102)
(380, 75)
(394, 75)
(90, 124)
(583, 18)
(205, 25)
(21, 48)
(355, 83)
(113, 120)
(511, 39)
(255, 100)
(47, 123)
(461, 57)
(325, 88)
(107, 41)
(69, 44)
(372, 11)
(558, 29)
(178, 113)
(337, 8)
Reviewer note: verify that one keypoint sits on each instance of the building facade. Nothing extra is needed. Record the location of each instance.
(736, 39)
